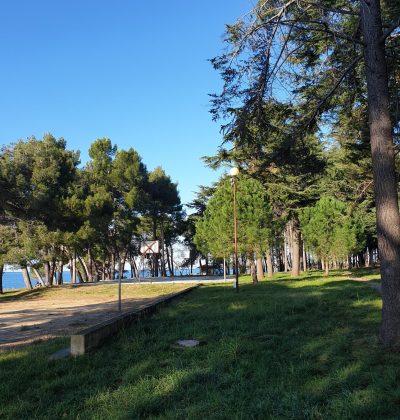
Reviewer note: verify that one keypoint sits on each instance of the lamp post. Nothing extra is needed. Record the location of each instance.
(234, 172)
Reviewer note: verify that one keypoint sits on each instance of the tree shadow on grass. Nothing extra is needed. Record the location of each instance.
(272, 351)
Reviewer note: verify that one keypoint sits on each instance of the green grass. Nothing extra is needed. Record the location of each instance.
(302, 348)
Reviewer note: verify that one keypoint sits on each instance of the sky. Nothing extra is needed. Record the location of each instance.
(133, 71)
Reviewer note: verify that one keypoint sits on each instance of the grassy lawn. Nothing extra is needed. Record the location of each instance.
(303, 348)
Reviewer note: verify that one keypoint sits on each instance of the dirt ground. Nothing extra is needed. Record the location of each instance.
(49, 313)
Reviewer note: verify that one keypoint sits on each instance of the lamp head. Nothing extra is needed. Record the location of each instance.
(234, 171)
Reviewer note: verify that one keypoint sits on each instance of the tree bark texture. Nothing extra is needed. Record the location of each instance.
(304, 257)
(27, 279)
(253, 270)
(326, 268)
(260, 269)
(385, 183)
(295, 239)
(270, 266)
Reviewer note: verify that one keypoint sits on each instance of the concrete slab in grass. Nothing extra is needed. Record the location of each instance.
(91, 338)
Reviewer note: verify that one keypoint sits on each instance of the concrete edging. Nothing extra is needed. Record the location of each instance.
(90, 338)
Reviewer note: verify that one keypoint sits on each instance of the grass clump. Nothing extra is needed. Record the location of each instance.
(302, 348)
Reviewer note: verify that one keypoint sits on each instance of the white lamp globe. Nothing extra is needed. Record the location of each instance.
(234, 171)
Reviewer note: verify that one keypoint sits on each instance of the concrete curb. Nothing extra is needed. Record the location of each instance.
(90, 338)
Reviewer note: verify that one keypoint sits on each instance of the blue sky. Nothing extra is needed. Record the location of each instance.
(133, 71)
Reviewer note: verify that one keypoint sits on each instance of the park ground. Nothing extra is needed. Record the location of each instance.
(30, 316)
(284, 348)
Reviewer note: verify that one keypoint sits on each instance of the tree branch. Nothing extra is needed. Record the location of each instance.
(332, 91)
(390, 30)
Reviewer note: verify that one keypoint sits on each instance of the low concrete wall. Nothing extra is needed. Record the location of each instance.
(93, 337)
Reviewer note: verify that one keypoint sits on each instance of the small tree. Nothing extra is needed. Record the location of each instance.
(214, 231)
(329, 231)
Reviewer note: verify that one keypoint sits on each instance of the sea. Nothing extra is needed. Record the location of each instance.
(14, 279)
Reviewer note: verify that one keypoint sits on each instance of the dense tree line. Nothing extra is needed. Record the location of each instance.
(310, 109)
(92, 218)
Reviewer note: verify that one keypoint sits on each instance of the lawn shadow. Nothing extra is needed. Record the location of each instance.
(272, 350)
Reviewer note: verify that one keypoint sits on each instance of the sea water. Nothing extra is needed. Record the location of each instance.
(14, 279)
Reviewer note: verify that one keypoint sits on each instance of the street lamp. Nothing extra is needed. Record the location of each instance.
(234, 172)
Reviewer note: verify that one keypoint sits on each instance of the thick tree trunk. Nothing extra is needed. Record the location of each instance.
(48, 274)
(27, 279)
(1, 278)
(385, 183)
(260, 269)
(270, 266)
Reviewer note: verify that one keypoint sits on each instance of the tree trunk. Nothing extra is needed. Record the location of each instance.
(155, 256)
(371, 258)
(84, 273)
(73, 267)
(27, 279)
(90, 265)
(112, 268)
(304, 258)
(172, 261)
(79, 275)
(39, 276)
(60, 279)
(52, 272)
(295, 234)
(260, 269)
(124, 257)
(326, 265)
(1, 278)
(169, 262)
(270, 267)
(253, 270)
(47, 274)
(285, 257)
(361, 259)
(385, 183)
